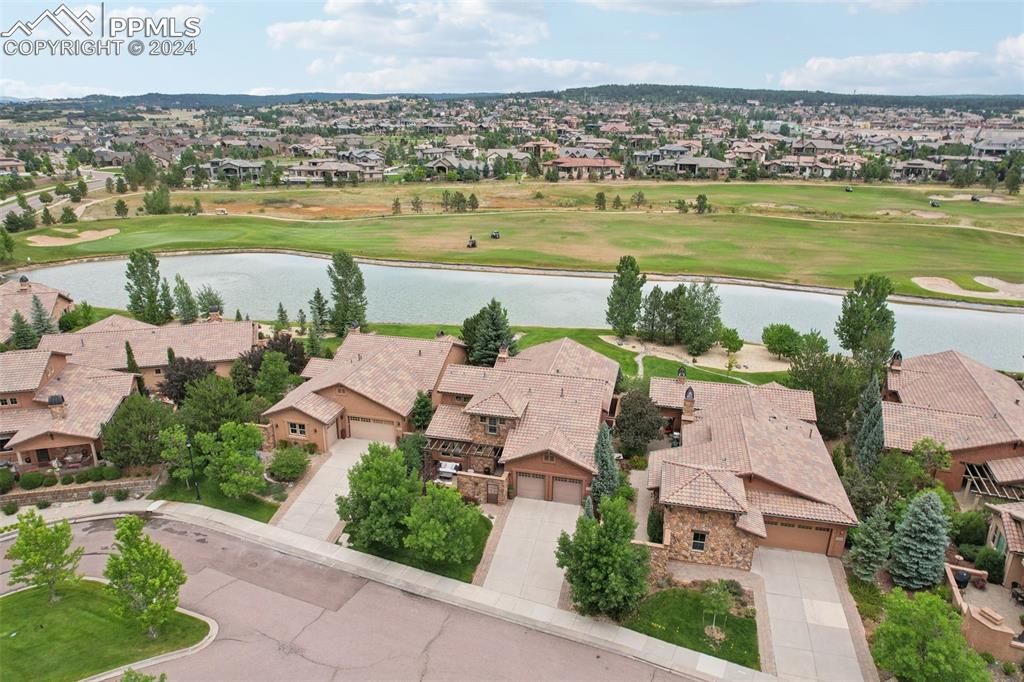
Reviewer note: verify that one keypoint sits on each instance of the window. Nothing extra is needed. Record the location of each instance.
(548, 457)
(492, 426)
(8, 401)
(158, 371)
(297, 429)
(700, 538)
(999, 541)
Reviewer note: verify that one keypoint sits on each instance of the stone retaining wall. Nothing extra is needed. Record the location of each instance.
(471, 484)
(136, 487)
(658, 561)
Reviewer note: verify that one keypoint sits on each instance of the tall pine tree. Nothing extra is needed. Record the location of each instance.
(22, 336)
(870, 440)
(132, 366)
(490, 330)
(919, 545)
(871, 549)
(607, 480)
(41, 322)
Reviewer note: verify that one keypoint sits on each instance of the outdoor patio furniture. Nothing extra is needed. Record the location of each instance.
(73, 460)
(962, 578)
(979, 584)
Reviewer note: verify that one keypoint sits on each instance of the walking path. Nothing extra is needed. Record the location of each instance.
(638, 479)
(530, 614)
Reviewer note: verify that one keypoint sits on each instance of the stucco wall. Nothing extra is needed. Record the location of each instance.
(278, 423)
(535, 464)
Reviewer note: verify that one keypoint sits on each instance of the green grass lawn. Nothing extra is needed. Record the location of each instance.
(815, 249)
(677, 616)
(249, 506)
(459, 571)
(78, 636)
(661, 367)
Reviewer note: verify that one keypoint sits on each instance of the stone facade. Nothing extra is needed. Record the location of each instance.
(478, 431)
(658, 561)
(475, 485)
(136, 487)
(725, 544)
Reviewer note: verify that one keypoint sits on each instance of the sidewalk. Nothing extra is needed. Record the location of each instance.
(571, 626)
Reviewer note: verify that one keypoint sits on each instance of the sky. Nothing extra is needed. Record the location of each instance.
(382, 46)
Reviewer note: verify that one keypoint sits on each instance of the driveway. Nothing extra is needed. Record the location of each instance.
(313, 512)
(810, 635)
(524, 560)
(283, 618)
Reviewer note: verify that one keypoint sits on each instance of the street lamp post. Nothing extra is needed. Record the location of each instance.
(192, 462)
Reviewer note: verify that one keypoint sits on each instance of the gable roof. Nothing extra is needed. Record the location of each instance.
(954, 399)
(116, 322)
(23, 370)
(1012, 516)
(567, 357)
(714, 399)
(16, 298)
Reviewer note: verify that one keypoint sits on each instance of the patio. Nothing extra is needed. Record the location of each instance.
(996, 598)
(991, 618)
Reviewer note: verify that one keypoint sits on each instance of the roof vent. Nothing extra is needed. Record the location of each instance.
(55, 399)
(23, 279)
(689, 395)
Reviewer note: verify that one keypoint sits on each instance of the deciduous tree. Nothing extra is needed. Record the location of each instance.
(441, 526)
(179, 373)
(231, 458)
(639, 422)
(42, 555)
(382, 490)
(624, 299)
(210, 402)
(131, 436)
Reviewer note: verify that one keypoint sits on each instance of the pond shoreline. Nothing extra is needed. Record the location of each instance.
(552, 272)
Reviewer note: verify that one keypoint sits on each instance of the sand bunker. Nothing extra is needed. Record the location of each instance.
(769, 204)
(751, 358)
(1006, 291)
(988, 199)
(932, 215)
(87, 236)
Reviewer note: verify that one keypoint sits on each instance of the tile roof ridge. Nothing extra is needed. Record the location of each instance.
(929, 408)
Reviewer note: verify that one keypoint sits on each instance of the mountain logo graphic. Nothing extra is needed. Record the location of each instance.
(70, 19)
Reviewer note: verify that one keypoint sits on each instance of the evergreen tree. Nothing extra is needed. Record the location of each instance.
(6, 244)
(184, 302)
(207, 299)
(318, 309)
(238, 315)
(47, 217)
(166, 302)
(617, 203)
(869, 397)
(273, 380)
(314, 340)
(301, 319)
(607, 480)
(281, 322)
(625, 297)
(121, 208)
(870, 550)
(422, 411)
(473, 202)
(348, 291)
(133, 367)
(41, 321)
(588, 507)
(486, 332)
(22, 336)
(600, 202)
(396, 206)
(919, 544)
(870, 440)
(143, 286)
(648, 326)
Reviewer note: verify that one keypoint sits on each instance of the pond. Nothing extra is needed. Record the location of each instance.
(255, 282)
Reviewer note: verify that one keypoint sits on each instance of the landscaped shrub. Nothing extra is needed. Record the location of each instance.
(67, 479)
(31, 480)
(988, 658)
(310, 448)
(655, 525)
(626, 492)
(110, 473)
(43, 504)
(6, 480)
(638, 462)
(733, 587)
(121, 494)
(95, 474)
(49, 480)
(98, 496)
(10, 508)
(992, 561)
(82, 476)
(288, 464)
(970, 527)
(1008, 668)
(970, 552)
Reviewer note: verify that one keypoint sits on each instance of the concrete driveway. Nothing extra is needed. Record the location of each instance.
(283, 618)
(810, 634)
(313, 512)
(524, 560)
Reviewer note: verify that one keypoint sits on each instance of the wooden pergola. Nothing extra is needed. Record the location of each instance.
(979, 481)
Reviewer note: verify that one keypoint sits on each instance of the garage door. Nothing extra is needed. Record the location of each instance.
(530, 485)
(797, 536)
(372, 429)
(568, 490)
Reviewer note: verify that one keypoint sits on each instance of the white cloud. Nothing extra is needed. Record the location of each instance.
(663, 6)
(267, 90)
(22, 90)
(883, 6)
(914, 72)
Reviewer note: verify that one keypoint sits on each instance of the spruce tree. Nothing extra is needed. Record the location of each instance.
(625, 297)
(607, 480)
(871, 549)
(588, 507)
(166, 302)
(22, 336)
(302, 321)
(281, 323)
(41, 322)
(314, 340)
(870, 439)
(133, 367)
(422, 411)
(238, 315)
(919, 544)
(869, 397)
(491, 331)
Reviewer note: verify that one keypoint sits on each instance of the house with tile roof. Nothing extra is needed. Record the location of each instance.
(684, 401)
(16, 296)
(743, 480)
(1006, 536)
(102, 344)
(366, 391)
(534, 416)
(53, 409)
(977, 412)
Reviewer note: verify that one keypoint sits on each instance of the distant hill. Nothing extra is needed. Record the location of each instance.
(655, 94)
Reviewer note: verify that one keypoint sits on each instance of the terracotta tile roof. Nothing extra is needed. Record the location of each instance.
(786, 452)
(15, 299)
(1012, 516)
(703, 488)
(954, 399)
(569, 357)
(1007, 470)
(388, 370)
(116, 323)
(792, 507)
(559, 413)
(714, 399)
(324, 410)
(211, 341)
(752, 521)
(90, 398)
(22, 370)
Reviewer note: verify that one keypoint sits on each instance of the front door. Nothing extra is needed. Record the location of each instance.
(42, 456)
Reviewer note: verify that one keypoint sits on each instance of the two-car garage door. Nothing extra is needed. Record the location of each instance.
(567, 490)
(372, 429)
(797, 536)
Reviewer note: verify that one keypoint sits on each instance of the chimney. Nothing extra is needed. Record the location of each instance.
(502, 353)
(688, 401)
(896, 362)
(213, 314)
(23, 284)
(353, 327)
(56, 404)
(439, 334)
(681, 375)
